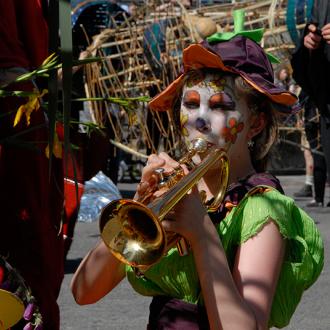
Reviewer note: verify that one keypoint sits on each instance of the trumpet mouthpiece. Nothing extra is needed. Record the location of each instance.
(200, 145)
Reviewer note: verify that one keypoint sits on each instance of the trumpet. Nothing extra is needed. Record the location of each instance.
(132, 230)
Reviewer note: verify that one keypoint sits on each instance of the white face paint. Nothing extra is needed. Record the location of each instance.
(210, 109)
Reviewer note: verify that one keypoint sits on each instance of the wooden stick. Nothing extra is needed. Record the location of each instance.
(129, 150)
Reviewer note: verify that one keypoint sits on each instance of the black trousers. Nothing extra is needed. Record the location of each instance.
(313, 132)
(325, 143)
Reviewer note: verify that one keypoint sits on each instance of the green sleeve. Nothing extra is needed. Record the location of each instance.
(303, 261)
(173, 276)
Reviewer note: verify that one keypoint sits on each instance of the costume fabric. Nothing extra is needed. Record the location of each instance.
(175, 276)
(21, 25)
(31, 194)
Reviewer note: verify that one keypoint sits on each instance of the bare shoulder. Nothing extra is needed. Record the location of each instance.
(257, 267)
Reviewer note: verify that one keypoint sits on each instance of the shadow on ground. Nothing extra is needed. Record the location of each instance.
(127, 193)
(71, 265)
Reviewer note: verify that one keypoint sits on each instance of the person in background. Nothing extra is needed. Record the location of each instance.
(132, 8)
(307, 138)
(31, 194)
(242, 263)
(311, 70)
(312, 131)
(284, 79)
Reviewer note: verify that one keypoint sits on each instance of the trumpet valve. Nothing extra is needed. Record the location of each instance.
(168, 180)
(162, 181)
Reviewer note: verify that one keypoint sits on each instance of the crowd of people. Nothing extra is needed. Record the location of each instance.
(242, 252)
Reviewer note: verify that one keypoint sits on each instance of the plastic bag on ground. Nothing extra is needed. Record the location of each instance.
(98, 192)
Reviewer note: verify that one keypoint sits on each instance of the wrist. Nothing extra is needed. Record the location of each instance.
(205, 235)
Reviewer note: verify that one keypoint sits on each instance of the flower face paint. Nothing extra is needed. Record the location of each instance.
(210, 109)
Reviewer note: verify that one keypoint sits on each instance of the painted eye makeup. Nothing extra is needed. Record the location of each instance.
(222, 101)
(191, 100)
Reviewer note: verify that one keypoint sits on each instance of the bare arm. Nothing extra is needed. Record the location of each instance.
(225, 307)
(241, 300)
(100, 271)
(97, 275)
(257, 268)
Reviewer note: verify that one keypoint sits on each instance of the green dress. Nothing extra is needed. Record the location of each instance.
(176, 276)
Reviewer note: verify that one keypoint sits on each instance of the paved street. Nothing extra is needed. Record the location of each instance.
(124, 309)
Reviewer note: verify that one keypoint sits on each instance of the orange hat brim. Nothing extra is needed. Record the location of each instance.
(196, 57)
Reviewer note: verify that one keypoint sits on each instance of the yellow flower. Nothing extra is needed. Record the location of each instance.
(27, 108)
(57, 147)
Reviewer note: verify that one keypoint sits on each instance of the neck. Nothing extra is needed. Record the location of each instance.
(236, 172)
(241, 173)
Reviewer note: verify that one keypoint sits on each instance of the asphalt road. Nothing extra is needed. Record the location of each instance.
(126, 310)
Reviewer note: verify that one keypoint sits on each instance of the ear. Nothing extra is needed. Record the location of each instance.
(258, 123)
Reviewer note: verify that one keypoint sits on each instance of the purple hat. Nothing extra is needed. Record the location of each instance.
(239, 55)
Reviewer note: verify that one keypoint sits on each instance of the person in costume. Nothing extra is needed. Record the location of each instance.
(250, 259)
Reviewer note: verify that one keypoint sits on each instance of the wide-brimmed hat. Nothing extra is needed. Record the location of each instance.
(239, 55)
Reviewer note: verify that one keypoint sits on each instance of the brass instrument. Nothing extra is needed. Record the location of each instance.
(133, 231)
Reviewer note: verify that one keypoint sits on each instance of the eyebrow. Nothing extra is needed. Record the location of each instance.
(223, 98)
(191, 96)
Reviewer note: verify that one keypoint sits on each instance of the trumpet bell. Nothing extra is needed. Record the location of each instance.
(132, 232)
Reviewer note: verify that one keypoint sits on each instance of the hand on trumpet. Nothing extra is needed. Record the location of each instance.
(189, 218)
(188, 215)
(151, 175)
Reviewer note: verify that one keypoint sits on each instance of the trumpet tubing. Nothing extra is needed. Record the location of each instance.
(133, 231)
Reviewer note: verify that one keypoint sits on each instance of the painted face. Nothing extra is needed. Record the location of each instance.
(211, 110)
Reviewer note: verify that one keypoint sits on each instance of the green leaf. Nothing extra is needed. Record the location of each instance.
(255, 35)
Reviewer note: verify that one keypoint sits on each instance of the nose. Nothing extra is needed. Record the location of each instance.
(202, 125)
